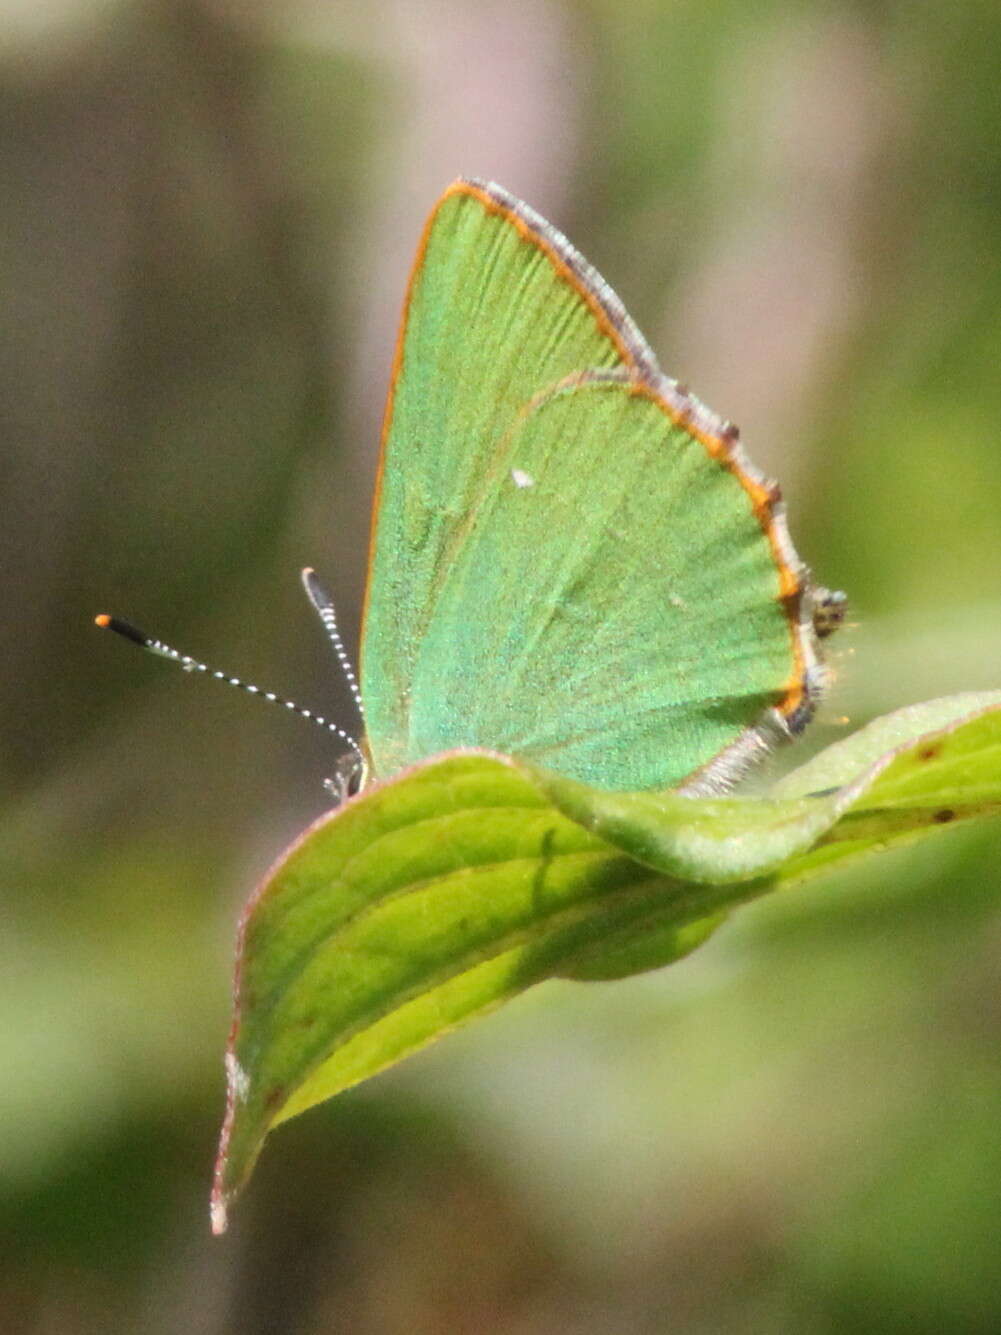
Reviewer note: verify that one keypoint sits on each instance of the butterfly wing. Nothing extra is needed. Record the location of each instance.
(571, 560)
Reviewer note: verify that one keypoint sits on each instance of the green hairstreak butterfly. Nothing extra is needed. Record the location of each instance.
(571, 561)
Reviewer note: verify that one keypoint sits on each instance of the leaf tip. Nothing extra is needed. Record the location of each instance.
(237, 1089)
(218, 1214)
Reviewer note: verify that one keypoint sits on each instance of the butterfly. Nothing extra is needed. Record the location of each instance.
(572, 561)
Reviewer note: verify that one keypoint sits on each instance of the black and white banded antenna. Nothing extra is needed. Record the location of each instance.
(352, 769)
(324, 606)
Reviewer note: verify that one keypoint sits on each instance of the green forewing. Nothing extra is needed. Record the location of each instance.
(560, 571)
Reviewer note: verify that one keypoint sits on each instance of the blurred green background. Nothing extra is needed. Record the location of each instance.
(209, 210)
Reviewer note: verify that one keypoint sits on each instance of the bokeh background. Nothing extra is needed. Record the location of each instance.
(208, 212)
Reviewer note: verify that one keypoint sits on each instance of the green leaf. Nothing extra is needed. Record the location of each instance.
(440, 894)
(843, 761)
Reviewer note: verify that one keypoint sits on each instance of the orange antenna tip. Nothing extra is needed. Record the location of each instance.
(103, 620)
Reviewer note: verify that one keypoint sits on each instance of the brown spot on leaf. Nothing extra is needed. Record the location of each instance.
(931, 752)
(944, 816)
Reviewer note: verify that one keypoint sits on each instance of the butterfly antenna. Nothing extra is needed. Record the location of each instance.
(324, 606)
(189, 664)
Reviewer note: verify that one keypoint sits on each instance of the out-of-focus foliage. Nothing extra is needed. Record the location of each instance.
(209, 210)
